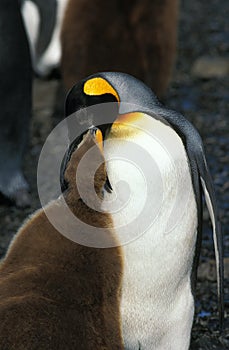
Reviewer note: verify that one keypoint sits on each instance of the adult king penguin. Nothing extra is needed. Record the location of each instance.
(15, 100)
(157, 173)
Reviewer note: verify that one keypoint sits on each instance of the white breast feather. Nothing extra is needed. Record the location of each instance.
(157, 305)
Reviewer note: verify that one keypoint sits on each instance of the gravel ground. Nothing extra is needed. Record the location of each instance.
(204, 101)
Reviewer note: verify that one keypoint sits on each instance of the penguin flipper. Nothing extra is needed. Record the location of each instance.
(202, 183)
(210, 199)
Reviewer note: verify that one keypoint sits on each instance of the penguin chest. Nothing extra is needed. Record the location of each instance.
(155, 219)
(156, 299)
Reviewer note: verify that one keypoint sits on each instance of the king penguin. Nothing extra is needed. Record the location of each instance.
(157, 174)
(16, 102)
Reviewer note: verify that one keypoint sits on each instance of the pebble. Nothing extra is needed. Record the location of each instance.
(207, 67)
(207, 270)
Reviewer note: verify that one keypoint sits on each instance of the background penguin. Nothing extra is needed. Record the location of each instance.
(15, 101)
(157, 303)
(56, 294)
(16, 91)
(137, 37)
(43, 20)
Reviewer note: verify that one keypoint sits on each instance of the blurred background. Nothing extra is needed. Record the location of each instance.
(199, 90)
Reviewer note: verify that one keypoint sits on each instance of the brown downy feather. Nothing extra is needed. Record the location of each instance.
(132, 36)
(57, 294)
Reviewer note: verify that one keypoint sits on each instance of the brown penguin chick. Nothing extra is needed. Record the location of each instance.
(132, 36)
(58, 294)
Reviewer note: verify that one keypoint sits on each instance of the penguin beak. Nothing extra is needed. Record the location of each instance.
(105, 129)
(99, 134)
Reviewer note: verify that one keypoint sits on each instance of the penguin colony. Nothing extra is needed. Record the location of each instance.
(57, 294)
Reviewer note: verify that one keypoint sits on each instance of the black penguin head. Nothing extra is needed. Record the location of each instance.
(94, 92)
(90, 91)
(107, 87)
(108, 94)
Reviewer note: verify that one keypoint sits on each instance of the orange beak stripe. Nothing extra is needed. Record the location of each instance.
(128, 117)
(99, 139)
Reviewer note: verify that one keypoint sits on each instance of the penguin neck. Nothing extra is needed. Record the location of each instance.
(148, 171)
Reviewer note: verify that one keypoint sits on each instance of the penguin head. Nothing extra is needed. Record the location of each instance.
(121, 92)
(92, 98)
(113, 100)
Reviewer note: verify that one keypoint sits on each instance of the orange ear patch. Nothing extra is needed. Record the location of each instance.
(99, 86)
(129, 117)
(127, 125)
